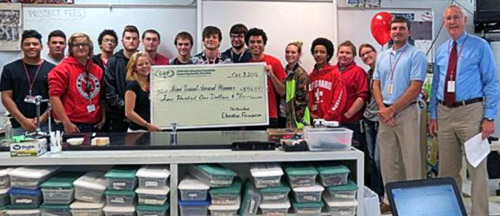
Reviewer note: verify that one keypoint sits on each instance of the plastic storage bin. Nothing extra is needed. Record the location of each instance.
(120, 198)
(153, 176)
(213, 175)
(307, 208)
(59, 189)
(308, 194)
(122, 178)
(55, 210)
(25, 197)
(333, 175)
(226, 195)
(266, 174)
(193, 189)
(152, 210)
(148, 196)
(119, 211)
(343, 193)
(275, 194)
(301, 175)
(23, 212)
(341, 208)
(79, 208)
(4, 177)
(90, 187)
(194, 208)
(30, 177)
(4, 196)
(225, 210)
(275, 209)
(328, 139)
(251, 200)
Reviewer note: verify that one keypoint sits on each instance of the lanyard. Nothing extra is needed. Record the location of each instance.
(454, 67)
(239, 58)
(31, 82)
(395, 64)
(208, 59)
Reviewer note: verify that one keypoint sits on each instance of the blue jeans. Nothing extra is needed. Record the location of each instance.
(371, 130)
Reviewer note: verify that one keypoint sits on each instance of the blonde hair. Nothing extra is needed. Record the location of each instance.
(80, 35)
(132, 73)
(298, 44)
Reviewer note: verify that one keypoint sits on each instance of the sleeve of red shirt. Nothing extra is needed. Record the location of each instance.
(279, 71)
(339, 99)
(58, 81)
(363, 90)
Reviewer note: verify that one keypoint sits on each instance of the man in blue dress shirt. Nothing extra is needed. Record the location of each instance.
(464, 102)
(399, 74)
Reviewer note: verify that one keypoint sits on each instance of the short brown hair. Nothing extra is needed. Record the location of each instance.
(130, 28)
(212, 30)
(400, 19)
(349, 44)
(368, 46)
(183, 35)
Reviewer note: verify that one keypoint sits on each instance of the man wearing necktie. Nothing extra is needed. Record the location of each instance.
(464, 100)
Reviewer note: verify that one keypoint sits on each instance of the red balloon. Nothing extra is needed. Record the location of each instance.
(380, 26)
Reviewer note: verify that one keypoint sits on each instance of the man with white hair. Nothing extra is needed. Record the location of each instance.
(464, 102)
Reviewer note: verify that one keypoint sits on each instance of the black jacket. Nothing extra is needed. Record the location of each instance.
(114, 78)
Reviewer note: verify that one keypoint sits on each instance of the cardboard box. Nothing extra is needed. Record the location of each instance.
(28, 148)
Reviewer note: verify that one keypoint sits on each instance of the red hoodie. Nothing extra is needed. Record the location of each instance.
(327, 93)
(356, 84)
(68, 80)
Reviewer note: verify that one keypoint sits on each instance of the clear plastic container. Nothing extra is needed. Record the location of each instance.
(251, 200)
(343, 193)
(152, 210)
(333, 175)
(152, 196)
(328, 139)
(193, 189)
(5, 178)
(120, 198)
(226, 195)
(225, 210)
(59, 189)
(275, 194)
(308, 194)
(79, 208)
(154, 177)
(119, 211)
(55, 210)
(275, 209)
(307, 208)
(213, 175)
(266, 174)
(301, 175)
(194, 208)
(90, 187)
(4, 196)
(340, 208)
(23, 212)
(122, 177)
(30, 177)
(25, 197)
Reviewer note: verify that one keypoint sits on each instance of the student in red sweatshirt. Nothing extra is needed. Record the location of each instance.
(75, 89)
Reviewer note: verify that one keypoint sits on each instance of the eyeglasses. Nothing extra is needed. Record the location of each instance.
(237, 36)
(109, 41)
(78, 45)
(364, 55)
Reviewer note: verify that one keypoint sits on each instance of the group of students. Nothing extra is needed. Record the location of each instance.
(110, 91)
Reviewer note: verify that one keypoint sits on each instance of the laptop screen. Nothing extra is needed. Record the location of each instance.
(429, 200)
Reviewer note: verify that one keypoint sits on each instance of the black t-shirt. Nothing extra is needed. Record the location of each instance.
(142, 104)
(14, 78)
(238, 58)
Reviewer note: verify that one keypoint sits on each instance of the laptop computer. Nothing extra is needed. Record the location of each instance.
(429, 197)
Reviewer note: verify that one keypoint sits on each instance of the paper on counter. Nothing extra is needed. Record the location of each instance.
(476, 150)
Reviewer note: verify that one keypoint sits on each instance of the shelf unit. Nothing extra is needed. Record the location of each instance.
(180, 157)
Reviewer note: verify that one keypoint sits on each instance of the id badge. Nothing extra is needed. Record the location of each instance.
(29, 99)
(390, 89)
(91, 108)
(451, 86)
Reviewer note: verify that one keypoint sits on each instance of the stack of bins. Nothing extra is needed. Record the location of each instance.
(58, 194)
(4, 187)
(152, 191)
(89, 194)
(194, 199)
(306, 191)
(226, 200)
(274, 194)
(340, 195)
(25, 194)
(120, 195)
